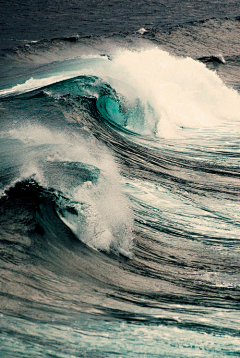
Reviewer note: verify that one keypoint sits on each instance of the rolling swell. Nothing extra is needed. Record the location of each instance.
(151, 260)
(112, 229)
(49, 245)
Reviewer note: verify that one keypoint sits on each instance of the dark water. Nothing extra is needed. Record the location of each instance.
(24, 21)
(119, 179)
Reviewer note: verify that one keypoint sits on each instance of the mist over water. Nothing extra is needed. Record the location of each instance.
(119, 180)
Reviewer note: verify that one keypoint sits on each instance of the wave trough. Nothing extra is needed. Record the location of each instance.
(119, 180)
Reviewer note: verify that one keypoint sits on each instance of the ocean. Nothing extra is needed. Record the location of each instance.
(119, 179)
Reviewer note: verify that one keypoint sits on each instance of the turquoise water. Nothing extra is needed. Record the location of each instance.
(119, 183)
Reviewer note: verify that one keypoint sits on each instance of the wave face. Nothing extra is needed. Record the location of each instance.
(119, 183)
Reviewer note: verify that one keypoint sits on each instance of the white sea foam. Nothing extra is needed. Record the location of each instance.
(104, 219)
(32, 84)
(181, 92)
(142, 31)
(220, 58)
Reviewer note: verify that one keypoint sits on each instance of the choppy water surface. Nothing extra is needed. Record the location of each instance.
(119, 182)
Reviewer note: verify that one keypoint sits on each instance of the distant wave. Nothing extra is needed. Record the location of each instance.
(119, 194)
